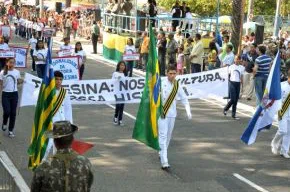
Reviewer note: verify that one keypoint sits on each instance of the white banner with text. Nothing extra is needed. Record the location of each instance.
(128, 90)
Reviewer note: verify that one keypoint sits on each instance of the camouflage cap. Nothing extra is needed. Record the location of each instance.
(62, 129)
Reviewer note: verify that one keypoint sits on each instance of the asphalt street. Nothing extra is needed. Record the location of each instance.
(206, 154)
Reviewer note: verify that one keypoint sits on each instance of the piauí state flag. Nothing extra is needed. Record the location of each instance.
(43, 115)
(146, 126)
(269, 106)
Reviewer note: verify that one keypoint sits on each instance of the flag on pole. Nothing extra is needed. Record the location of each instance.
(269, 106)
(43, 115)
(146, 126)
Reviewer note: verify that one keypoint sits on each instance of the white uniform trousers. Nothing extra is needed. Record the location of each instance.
(50, 146)
(165, 128)
(282, 139)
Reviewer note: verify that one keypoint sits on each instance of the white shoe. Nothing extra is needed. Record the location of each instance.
(11, 134)
(275, 151)
(115, 121)
(121, 123)
(285, 155)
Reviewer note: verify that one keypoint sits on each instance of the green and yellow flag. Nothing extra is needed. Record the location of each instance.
(146, 126)
(43, 116)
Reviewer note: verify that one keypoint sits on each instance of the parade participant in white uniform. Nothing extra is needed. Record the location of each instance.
(236, 73)
(62, 111)
(82, 57)
(66, 49)
(281, 140)
(170, 92)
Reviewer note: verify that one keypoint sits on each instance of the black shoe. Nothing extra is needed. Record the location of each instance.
(167, 168)
(235, 117)
(224, 112)
(226, 97)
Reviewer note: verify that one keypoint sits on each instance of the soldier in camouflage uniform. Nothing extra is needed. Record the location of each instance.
(66, 171)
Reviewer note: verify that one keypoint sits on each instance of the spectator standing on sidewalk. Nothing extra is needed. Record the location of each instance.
(161, 45)
(75, 26)
(95, 36)
(172, 47)
(229, 58)
(187, 50)
(126, 7)
(138, 44)
(144, 50)
(196, 55)
(249, 60)
(261, 72)
(236, 72)
(176, 14)
(67, 27)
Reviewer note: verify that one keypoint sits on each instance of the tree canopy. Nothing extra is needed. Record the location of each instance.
(208, 7)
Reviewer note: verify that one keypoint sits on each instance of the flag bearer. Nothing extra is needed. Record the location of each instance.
(170, 91)
(62, 110)
(282, 138)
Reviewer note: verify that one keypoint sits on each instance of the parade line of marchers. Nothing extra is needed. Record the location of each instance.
(129, 90)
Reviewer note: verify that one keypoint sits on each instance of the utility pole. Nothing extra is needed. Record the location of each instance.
(250, 13)
(277, 20)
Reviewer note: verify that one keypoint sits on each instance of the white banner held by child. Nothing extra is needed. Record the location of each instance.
(69, 66)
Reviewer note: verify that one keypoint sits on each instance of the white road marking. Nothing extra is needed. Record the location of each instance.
(255, 186)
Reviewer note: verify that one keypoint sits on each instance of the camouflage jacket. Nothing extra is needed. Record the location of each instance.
(52, 175)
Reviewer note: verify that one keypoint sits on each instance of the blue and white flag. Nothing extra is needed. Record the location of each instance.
(269, 106)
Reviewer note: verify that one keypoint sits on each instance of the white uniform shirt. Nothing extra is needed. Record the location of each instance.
(130, 49)
(10, 80)
(32, 42)
(65, 110)
(236, 72)
(285, 90)
(39, 26)
(66, 50)
(166, 88)
(81, 55)
(40, 54)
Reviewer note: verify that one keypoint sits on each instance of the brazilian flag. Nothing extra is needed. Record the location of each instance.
(146, 126)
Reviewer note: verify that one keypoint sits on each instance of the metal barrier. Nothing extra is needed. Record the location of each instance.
(119, 23)
(10, 178)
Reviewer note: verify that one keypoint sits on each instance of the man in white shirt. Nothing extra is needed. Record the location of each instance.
(236, 72)
(229, 58)
(281, 141)
(64, 112)
(196, 55)
(171, 90)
